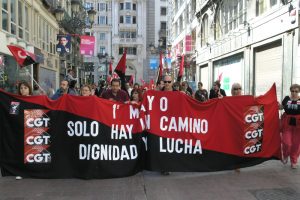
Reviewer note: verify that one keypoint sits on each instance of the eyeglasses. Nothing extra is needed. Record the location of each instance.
(237, 88)
(294, 91)
(167, 81)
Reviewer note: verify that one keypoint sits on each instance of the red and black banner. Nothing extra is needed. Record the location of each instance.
(220, 134)
(88, 137)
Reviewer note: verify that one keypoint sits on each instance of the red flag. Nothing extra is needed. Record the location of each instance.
(220, 77)
(121, 67)
(160, 70)
(22, 56)
(131, 80)
(110, 68)
(160, 65)
(180, 73)
(115, 75)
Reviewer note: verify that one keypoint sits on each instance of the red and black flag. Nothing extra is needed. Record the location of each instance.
(22, 56)
(131, 80)
(180, 73)
(121, 69)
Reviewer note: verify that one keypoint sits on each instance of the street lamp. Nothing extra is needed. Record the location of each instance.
(158, 49)
(105, 59)
(77, 21)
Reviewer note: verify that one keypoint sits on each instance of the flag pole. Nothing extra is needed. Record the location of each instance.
(36, 82)
(157, 75)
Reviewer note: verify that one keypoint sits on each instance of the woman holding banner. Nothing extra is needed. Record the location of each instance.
(291, 126)
(24, 89)
(236, 90)
(136, 96)
(86, 90)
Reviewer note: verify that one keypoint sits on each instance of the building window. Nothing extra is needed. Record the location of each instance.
(121, 6)
(27, 23)
(121, 19)
(130, 50)
(13, 22)
(261, 7)
(133, 34)
(102, 19)
(4, 16)
(163, 25)
(21, 17)
(102, 36)
(163, 11)
(204, 31)
(102, 50)
(127, 34)
(133, 6)
(128, 19)
(101, 6)
(230, 15)
(128, 6)
(134, 19)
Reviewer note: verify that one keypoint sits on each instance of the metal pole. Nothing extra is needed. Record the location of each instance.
(106, 74)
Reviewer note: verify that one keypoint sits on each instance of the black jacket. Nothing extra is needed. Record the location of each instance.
(214, 94)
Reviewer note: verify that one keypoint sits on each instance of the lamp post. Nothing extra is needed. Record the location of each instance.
(75, 23)
(160, 49)
(105, 58)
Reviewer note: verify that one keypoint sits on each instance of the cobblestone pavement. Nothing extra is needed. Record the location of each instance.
(268, 181)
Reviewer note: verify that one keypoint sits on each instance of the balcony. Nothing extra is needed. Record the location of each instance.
(127, 27)
(126, 41)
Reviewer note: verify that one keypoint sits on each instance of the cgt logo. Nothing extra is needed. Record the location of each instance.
(253, 129)
(38, 140)
(37, 122)
(252, 149)
(257, 117)
(254, 134)
(38, 158)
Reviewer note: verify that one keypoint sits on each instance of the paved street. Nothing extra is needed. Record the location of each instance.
(268, 181)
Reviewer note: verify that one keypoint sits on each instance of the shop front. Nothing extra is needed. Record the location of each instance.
(229, 70)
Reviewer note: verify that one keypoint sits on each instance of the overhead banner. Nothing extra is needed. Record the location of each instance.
(64, 44)
(88, 137)
(87, 45)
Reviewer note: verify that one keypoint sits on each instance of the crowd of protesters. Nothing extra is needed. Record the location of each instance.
(290, 120)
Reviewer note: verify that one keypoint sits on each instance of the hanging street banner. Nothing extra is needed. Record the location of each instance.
(87, 45)
(64, 44)
(89, 137)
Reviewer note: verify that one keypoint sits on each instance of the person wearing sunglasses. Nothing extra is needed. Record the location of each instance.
(291, 126)
(236, 89)
(168, 82)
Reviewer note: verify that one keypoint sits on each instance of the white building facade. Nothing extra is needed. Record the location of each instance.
(255, 43)
(182, 36)
(157, 26)
(30, 25)
(119, 24)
